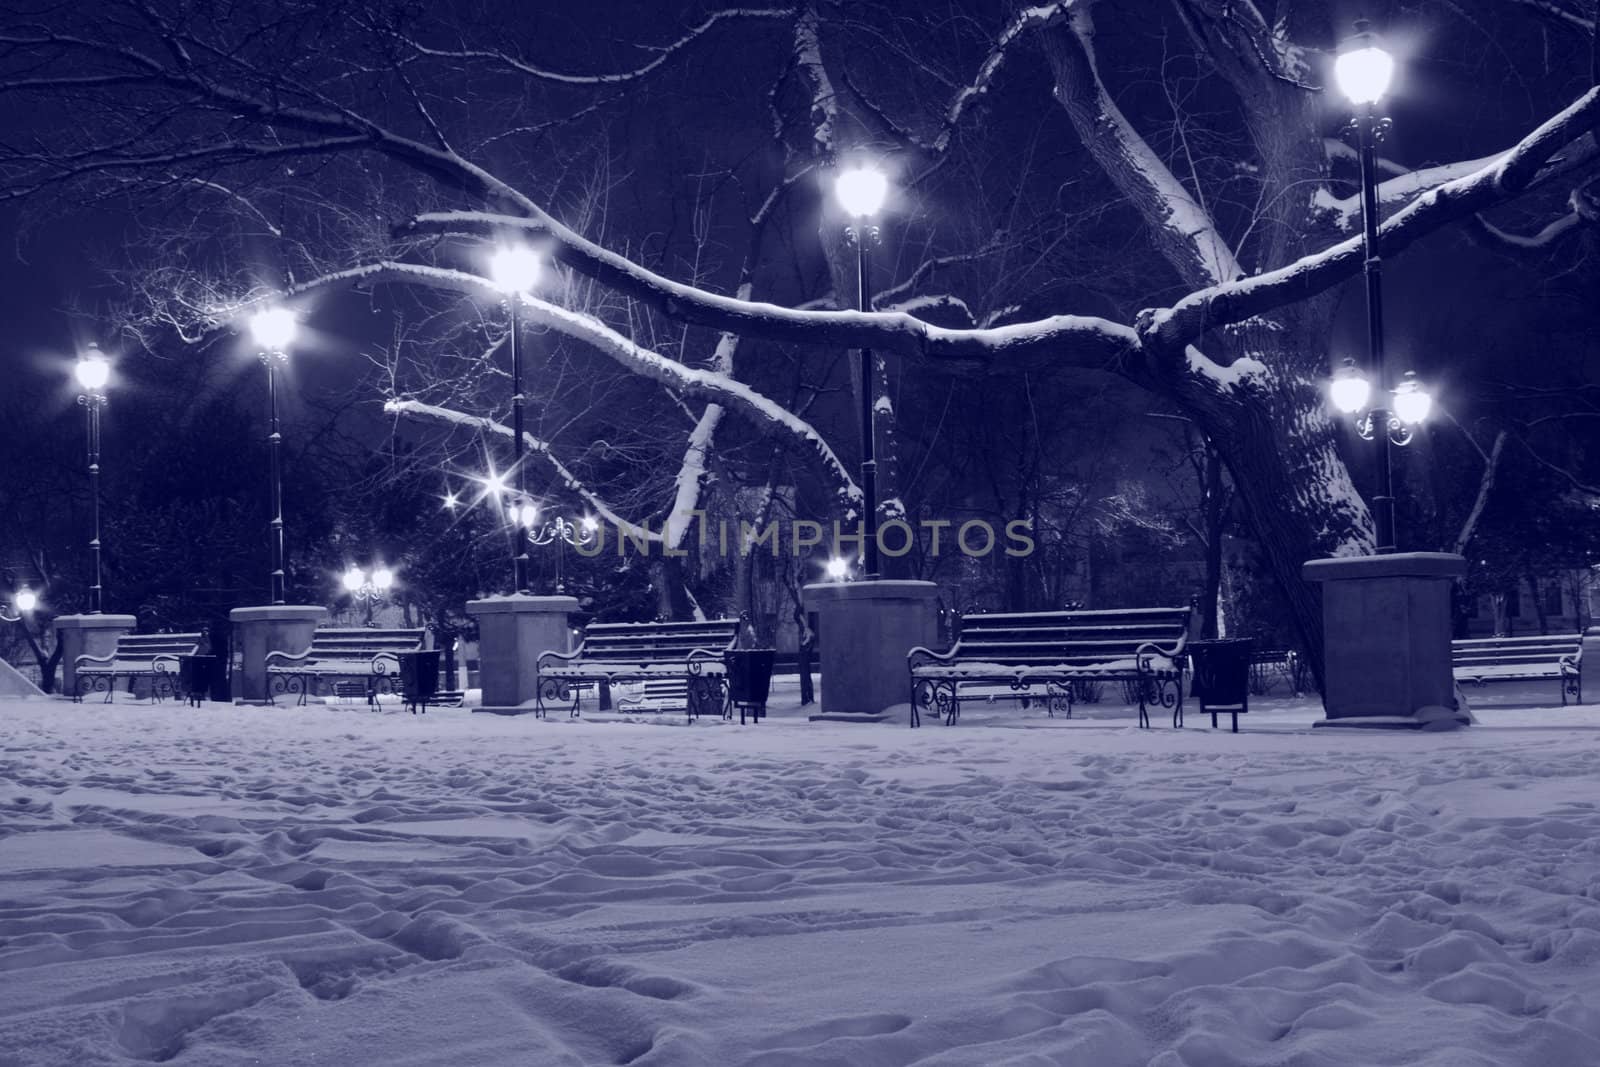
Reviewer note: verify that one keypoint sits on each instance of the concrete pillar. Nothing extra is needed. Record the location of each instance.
(269, 628)
(512, 632)
(1386, 640)
(87, 635)
(864, 630)
(1589, 667)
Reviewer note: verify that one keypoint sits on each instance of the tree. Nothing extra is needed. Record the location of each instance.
(379, 141)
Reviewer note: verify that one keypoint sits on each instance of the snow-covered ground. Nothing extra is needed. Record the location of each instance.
(232, 886)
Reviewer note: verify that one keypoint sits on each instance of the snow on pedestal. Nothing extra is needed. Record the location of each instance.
(268, 628)
(864, 630)
(512, 633)
(87, 635)
(1386, 640)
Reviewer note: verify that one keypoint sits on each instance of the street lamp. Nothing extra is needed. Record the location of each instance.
(514, 270)
(368, 588)
(838, 569)
(23, 602)
(274, 330)
(861, 191)
(93, 372)
(1363, 70)
(560, 530)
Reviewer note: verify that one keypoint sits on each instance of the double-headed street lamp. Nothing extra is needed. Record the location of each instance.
(1363, 70)
(861, 191)
(274, 330)
(93, 372)
(514, 270)
(368, 588)
(560, 531)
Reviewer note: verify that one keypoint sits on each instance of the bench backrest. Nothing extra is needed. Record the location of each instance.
(147, 646)
(1079, 638)
(1513, 651)
(361, 643)
(655, 642)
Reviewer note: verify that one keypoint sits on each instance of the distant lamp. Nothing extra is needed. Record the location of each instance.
(1364, 68)
(838, 569)
(26, 600)
(1412, 403)
(354, 580)
(514, 269)
(450, 501)
(527, 513)
(274, 328)
(383, 579)
(1350, 390)
(861, 191)
(590, 524)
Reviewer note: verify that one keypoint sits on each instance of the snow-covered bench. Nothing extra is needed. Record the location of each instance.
(686, 652)
(368, 656)
(152, 656)
(1051, 652)
(1513, 659)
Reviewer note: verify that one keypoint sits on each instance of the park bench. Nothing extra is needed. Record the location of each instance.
(1056, 652)
(686, 652)
(1509, 659)
(136, 656)
(363, 655)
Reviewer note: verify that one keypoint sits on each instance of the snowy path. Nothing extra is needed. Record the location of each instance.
(286, 886)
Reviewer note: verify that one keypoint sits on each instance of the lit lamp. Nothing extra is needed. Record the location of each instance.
(24, 602)
(514, 270)
(368, 588)
(274, 330)
(838, 569)
(93, 373)
(1364, 70)
(861, 191)
(560, 531)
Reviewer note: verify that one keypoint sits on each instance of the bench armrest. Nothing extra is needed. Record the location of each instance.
(164, 663)
(922, 657)
(705, 653)
(86, 658)
(553, 655)
(1571, 662)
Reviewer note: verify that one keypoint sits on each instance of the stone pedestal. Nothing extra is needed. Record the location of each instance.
(92, 635)
(1589, 667)
(1386, 640)
(269, 628)
(512, 632)
(864, 630)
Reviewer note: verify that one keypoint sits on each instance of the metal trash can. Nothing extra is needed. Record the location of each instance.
(750, 680)
(419, 677)
(196, 675)
(1221, 680)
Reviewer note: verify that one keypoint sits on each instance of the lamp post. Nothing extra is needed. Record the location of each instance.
(861, 192)
(514, 270)
(560, 530)
(274, 330)
(1363, 70)
(93, 372)
(368, 588)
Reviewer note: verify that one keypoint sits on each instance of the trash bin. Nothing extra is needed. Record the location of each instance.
(419, 677)
(1221, 679)
(750, 680)
(196, 675)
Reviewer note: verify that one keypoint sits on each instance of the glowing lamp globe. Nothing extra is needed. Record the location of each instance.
(92, 371)
(1411, 401)
(1363, 68)
(528, 514)
(354, 580)
(1350, 391)
(514, 269)
(383, 578)
(26, 600)
(590, 525)
(274, 328)
(838, 569)
(861, 191)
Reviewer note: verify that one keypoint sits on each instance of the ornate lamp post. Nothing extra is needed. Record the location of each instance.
(274, 330)
(514, 271)
(1363, 71)
(861, 192)
(369, 588)
(93, 372)
(560, 530)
